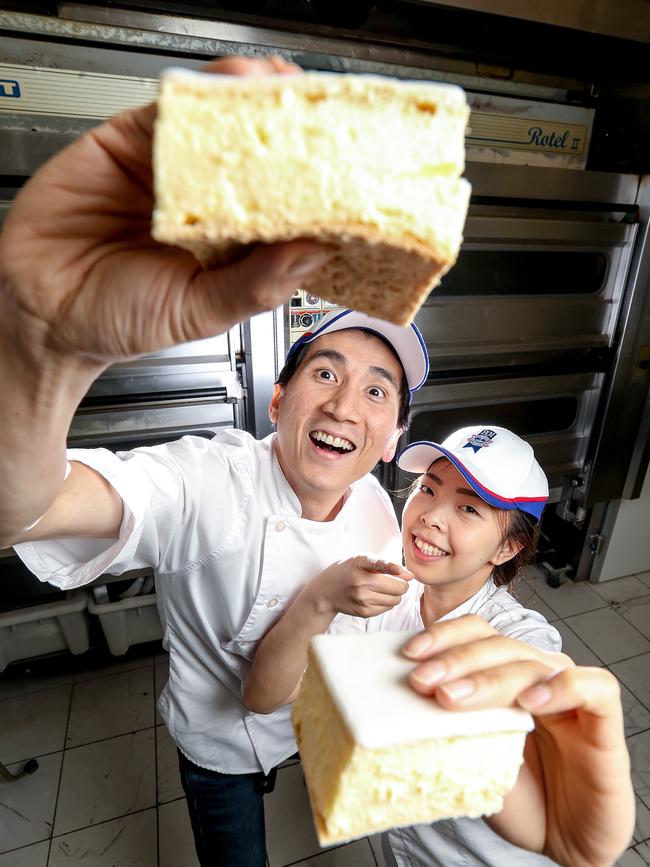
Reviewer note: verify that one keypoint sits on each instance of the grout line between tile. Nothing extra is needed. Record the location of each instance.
(155, 757)
(110, 738)
(629, 623)
(103, 822)
(58, 788)
(318, 854)
(27, 845)
(633, 694)
(568, 626)
(101, 674)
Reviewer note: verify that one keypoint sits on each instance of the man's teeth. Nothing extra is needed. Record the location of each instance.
(336, 442)
(429, 550)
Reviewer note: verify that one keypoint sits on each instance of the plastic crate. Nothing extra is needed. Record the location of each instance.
(128, 621)
(42, 629)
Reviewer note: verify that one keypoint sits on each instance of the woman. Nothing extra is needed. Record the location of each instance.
(467, 529)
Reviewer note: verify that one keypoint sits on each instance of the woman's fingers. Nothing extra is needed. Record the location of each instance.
(498, 686)
(593, 691)
(465, 662)
(447, 634)
(475, 657)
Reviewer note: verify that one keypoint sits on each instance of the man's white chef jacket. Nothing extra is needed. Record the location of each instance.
(222, 528)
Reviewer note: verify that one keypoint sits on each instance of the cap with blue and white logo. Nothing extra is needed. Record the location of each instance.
(497, 464)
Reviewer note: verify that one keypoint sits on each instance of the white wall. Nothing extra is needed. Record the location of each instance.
(628, 551)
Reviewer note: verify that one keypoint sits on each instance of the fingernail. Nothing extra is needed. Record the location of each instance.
(458, 689)
(418, 646)
(535, 697)
(430, 673)
(309, 262)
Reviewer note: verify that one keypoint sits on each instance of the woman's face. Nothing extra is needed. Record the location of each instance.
(450, 535)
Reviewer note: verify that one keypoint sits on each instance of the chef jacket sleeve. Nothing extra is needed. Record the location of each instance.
(163, 490)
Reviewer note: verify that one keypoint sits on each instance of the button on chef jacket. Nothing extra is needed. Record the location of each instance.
(222, 528)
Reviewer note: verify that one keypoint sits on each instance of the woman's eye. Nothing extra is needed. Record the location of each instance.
(470, 510)
(425, 489)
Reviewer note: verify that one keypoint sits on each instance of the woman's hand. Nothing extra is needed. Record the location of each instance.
(360, 587)
(574, 800)
(80, 271)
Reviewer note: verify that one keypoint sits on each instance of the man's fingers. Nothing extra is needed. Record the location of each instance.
(382, 601)
(251, 66)
(385, 566)
(282, 66)
(387, 584)
(264, 279)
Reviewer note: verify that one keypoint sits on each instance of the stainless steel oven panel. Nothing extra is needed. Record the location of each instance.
(200, 364)
(150, 379)
(562, 451)
(490, 180)
(122, 427)
(476, 330)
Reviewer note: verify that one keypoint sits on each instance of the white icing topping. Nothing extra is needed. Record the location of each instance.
(366, 675)
(180, 72)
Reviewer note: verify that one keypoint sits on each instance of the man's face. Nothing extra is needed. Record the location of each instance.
(337, 417)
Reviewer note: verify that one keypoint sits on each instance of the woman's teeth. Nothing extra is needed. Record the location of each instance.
(334, 442)
(429, 550)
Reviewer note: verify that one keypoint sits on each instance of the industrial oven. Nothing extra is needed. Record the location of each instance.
(542, 326)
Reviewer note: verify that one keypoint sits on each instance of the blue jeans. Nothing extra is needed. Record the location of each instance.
(227, 815)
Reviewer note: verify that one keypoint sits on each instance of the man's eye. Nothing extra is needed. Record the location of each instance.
(326, 374)
(375, 391)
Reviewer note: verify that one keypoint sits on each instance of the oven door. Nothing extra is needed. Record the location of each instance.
(124, 426)
(555, 414)
(522, 332)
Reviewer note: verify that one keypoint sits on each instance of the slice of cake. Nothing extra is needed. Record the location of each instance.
(370, 165)
(377, 755)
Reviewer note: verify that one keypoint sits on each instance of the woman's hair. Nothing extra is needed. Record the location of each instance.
(518, 528)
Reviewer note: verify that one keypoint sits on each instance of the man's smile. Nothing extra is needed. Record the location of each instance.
(330, 442)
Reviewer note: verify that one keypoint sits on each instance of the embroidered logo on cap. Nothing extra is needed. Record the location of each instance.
(478, 440)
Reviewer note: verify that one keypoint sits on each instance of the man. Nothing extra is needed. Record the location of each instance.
(231, 527)
(82, 285)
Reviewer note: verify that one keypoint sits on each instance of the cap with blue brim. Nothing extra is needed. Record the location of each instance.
(407, 341)
(496, 463)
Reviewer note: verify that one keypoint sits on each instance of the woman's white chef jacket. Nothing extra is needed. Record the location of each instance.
(222, 528)
(495, 604)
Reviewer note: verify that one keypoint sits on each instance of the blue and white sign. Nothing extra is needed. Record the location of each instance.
(9, 87)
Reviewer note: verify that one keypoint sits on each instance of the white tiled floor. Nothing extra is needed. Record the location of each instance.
(107, 791)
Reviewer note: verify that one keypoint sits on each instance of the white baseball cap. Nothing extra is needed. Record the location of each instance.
(497, 464)
(407, 341)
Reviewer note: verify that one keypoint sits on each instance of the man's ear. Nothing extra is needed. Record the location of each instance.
(507, 551)
(391, 448)
(274, 405)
